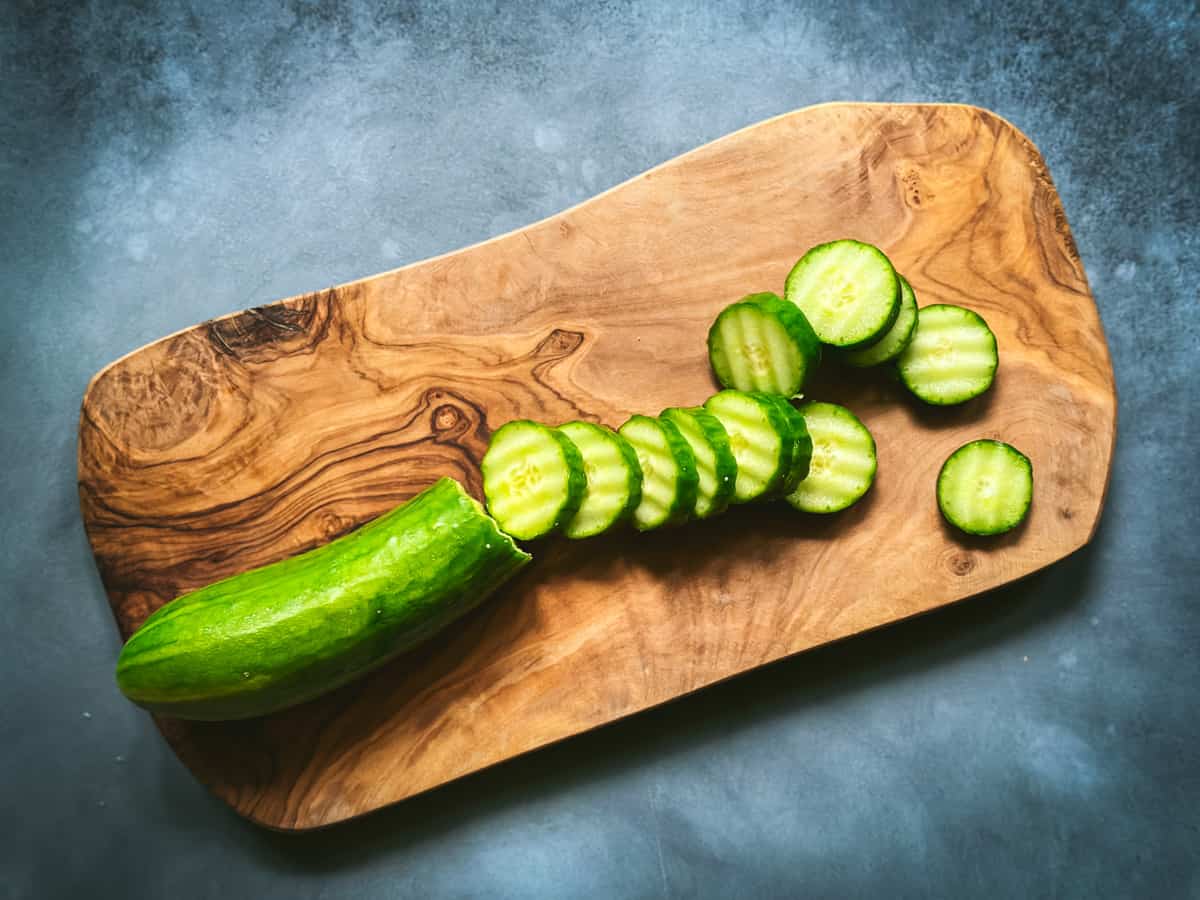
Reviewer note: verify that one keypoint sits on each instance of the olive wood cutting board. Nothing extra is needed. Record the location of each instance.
(259, 435)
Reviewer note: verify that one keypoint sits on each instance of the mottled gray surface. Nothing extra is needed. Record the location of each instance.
(164, 163)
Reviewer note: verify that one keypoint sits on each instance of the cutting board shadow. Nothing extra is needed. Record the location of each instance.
(253, 437)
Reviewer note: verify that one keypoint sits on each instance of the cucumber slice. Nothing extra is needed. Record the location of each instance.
(669, 477)
(952, 356)
(533, 479)
(848, 290)
(893, 343)
(763, 343)
(801, 447)
(614, 479)
(761, 439)
(985, 487)
(843, 460)
(715, 464)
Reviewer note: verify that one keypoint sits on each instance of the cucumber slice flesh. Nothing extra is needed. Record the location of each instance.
(760, 438)
(848, 291)
(716, 467)
(843, 460)
(897, 338)
(763, 343)
(614, 479)
(951, 358)
(669, 478)
(533, 479)
(985, 487)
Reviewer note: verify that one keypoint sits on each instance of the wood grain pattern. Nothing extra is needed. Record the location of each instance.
(253, 437)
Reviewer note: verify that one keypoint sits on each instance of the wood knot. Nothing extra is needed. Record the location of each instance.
(331, 525)
(961, 563)
(446, 418)
(265, 333)
(559, 343)
(1065, 512)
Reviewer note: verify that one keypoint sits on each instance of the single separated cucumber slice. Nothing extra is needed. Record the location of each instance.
(715, 464)
(843, 460)
(985, 487)
(669, 478)
(893, 343)
(614, 479)
(848, 291)
(761, 438)
(951, 358)
(763, 343)
(533, 479)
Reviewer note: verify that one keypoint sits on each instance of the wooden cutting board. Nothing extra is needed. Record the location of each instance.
(253, 437)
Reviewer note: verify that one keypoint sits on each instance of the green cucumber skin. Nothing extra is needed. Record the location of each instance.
(802, 449)
(794, 322)
(276, 636)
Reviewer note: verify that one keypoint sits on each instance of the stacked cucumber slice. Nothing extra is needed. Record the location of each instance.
(750, 441)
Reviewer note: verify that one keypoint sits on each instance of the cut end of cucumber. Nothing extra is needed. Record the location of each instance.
(763, 343)
(533, 479)
(892, 344)
(848, 290)
(843, 460)
(985, 487)
(951, 358)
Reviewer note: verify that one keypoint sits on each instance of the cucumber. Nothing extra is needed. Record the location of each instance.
(801, 447)
(985, 487)
(285, 633)
(893, 343)
(847, 290)
(763, 343)
(533, 479)
(843, 460)
(614, 479)
(952, 356)
(761, 438)
(669, 477)
(715, 466)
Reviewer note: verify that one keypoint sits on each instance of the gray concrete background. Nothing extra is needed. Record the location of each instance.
(162, 163)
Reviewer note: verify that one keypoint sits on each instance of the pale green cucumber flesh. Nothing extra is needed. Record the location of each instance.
(897, 338)
(951, 358)
(290, 631)
(848, 291)
(716, 468)
(614, 479)
(763, 343)
(985, 487)
(533, 479)
(759, 439)
(669, 477)
(843, 460)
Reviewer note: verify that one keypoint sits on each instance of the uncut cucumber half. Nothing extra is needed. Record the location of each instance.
(951, 358)
(847, 290)
(614, 479)
(893, 343)
(285, 633)
(763, 343)
(533, 479)
(761, 438)
(843, 460)
(716, 468)
(985, 487)
(669, 478)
